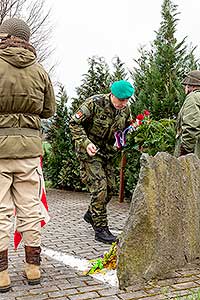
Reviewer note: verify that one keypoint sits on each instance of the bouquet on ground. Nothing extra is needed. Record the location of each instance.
(107, 261)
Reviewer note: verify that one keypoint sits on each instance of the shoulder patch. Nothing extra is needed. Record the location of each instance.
(79, 114)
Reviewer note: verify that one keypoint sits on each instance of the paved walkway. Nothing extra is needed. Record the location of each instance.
(69, 234)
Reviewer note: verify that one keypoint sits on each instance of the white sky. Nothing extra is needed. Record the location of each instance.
(108, 28)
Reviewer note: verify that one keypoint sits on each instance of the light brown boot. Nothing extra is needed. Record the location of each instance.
(4, 276)
(4, 281)
(33, 273)
(32, 268)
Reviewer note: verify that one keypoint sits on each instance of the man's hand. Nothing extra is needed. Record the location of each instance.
(91, 149)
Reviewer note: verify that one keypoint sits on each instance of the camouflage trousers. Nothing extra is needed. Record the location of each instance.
(98, 176)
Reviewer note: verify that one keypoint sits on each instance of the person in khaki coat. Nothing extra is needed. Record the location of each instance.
(188, 121)
(26, 96)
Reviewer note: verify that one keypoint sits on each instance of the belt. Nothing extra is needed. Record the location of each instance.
(20, 131)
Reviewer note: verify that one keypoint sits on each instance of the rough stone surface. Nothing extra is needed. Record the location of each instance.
(69, 233)
(162, 232)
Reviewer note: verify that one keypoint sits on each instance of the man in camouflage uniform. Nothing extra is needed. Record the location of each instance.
(188, 122)
(93, 127)
(26, 97)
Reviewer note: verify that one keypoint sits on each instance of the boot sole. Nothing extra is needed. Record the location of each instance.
(103, 241)
(33, 281)
(5, 289)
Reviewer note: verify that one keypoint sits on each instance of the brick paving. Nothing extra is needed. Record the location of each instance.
(68, 233)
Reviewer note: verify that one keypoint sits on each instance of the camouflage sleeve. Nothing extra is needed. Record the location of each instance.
(190, 124)
(78, 132)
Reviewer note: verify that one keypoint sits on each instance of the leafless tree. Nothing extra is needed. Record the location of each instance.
(37, 16)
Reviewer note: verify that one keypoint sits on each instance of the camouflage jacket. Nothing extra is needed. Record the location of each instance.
(96, 121)
(26, 96)
(188, 125)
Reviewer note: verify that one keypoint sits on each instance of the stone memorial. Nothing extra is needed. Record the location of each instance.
(162, 231)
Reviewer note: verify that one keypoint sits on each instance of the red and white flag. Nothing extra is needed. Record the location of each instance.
(44, 211)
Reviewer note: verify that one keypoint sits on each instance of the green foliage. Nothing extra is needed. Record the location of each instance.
(61, 167)
(154, 136)
(119, 71)
(159, 71)
(150, 137)
(46, 147)
(96, 81)
(191, 296)
(157, 79)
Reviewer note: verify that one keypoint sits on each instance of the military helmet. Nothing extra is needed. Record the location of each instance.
(192, 78)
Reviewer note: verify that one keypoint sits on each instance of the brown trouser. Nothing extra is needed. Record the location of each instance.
(20, 187)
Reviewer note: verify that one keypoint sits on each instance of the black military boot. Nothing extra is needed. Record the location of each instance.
(88, 218)
(103, 234)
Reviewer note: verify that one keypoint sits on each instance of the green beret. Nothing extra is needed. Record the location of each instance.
(122, 89)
